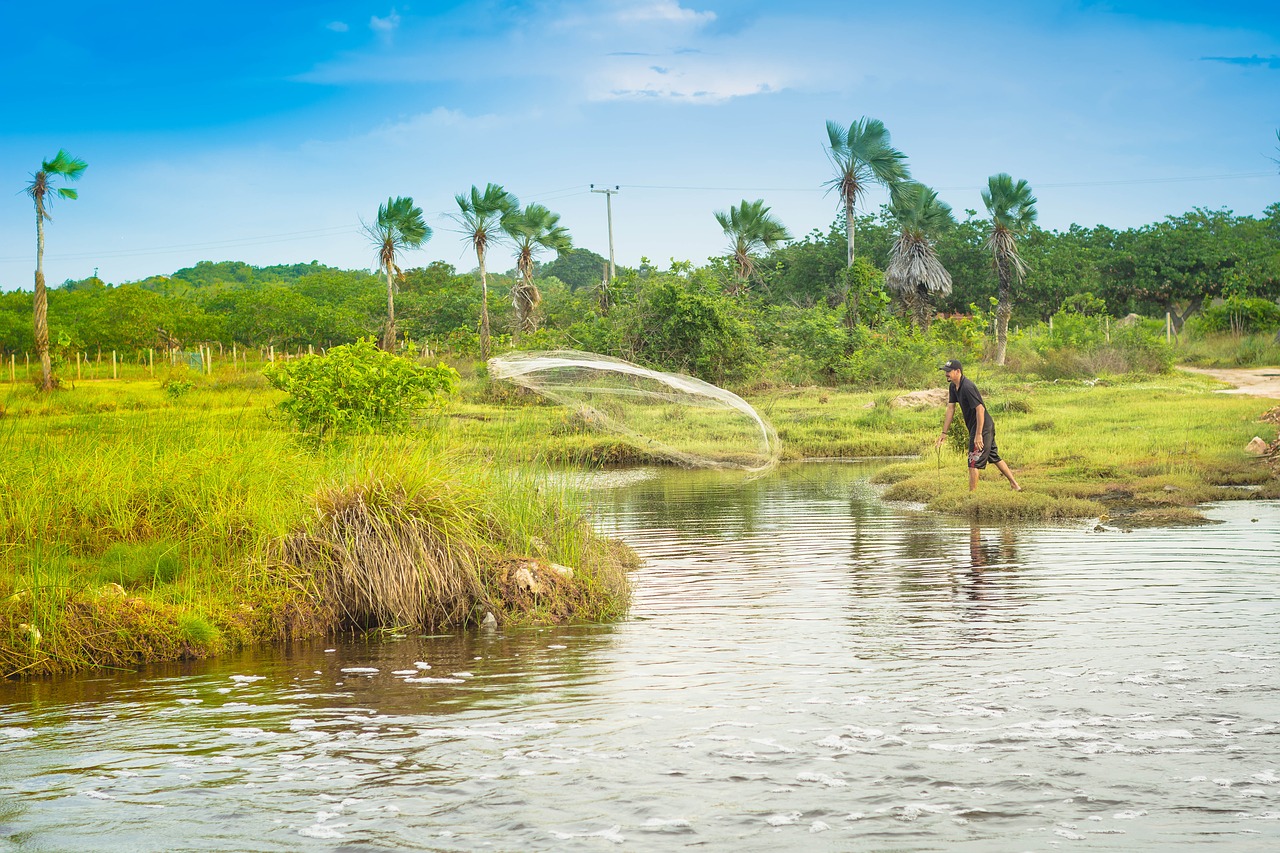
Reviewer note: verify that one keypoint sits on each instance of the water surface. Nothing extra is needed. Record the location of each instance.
(805, 667)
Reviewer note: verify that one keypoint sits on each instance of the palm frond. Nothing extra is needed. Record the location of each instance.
(64, 166)
(914, 267)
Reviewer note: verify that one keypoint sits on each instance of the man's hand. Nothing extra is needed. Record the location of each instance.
(941, 439)
(977, 442)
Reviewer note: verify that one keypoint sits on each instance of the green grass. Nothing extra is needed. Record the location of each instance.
(137, 527)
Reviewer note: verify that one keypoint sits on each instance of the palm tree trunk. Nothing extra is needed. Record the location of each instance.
(1004, 308)
(389, 333)
(848, 222)
(484, 308)
(40, 307)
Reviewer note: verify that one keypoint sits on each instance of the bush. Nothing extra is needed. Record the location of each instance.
(358, 388)
(1239, 315)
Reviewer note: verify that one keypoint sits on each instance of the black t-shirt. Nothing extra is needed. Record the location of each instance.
(969, 399)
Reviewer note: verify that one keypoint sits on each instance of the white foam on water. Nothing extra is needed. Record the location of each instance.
(954, 747)
(429, 680)
(783, 819)
(1161, 734)
(323, 831)
(17, 733)
(190, 701)
(404, 672)
(421, 664)
(822, 778)
(247, 679)
(613, 835)
(363, 670)
(819, 826)
(97, 795)
(461, 675)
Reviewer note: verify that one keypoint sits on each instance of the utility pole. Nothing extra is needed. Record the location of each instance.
(608, 204)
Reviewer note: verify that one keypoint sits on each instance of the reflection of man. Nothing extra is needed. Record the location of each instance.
(982, 429)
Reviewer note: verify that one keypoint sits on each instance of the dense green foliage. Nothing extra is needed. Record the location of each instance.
(807, 318)
(358, 388)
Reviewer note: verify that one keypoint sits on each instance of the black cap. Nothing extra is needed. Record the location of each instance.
(951, 365)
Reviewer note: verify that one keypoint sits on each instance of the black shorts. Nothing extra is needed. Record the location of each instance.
(989, 452)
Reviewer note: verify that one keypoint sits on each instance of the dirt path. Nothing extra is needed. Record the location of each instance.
(1252, 381)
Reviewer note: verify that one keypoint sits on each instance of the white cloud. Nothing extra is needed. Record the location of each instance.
(663, 10)
(385, 26)
(337, 26)
(688, 79)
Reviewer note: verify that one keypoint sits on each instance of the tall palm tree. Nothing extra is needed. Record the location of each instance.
(399, 227)
(1013, 211)
(862, 156)
(480, 215)
(914, 271)
(750, 228)
(42, 191)
(533, 230)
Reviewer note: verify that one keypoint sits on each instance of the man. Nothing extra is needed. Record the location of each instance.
(982, 429)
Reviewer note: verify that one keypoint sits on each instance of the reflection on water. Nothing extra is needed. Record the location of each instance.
(805, 667)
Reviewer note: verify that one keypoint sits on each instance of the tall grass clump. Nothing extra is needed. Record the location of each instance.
(413, 539)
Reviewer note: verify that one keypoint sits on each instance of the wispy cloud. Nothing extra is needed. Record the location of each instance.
(664, 11)
(697, 82)
(1255, 61)
(337, 26)
(384, 27)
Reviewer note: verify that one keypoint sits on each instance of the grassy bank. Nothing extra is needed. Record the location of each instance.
(137, 523)
(137, 526)
(1138, 451)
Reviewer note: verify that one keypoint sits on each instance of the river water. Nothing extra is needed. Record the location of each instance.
(804, 668)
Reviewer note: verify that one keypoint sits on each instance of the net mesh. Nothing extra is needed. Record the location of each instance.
(685, 420)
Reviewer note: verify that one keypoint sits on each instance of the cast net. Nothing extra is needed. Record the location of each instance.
(685, 420)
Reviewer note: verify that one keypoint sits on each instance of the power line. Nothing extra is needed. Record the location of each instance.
(287, 237)
(1128, 181)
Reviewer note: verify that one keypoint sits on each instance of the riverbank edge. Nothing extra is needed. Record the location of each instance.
(274, 602)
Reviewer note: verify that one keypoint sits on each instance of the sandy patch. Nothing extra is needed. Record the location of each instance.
(1251, 381)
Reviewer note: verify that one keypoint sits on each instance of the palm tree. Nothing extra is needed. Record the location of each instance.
(914, 271)
(532, 230)
(1013, 211)
(862, 156)
(41, 190)
(750, 228)
(399, 227)
(480, 215)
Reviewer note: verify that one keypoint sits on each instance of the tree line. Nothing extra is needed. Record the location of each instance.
(824, 291)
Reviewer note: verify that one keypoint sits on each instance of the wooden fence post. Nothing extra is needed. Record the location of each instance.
(151, 362)
(115, 374)
(1168, 328)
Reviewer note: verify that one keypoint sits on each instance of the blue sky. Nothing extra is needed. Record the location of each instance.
(264, 132)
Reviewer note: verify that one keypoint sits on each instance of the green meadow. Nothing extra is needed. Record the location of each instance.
(151, 518)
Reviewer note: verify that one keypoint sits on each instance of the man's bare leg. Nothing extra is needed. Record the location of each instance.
(973, 479)
(1004, 469)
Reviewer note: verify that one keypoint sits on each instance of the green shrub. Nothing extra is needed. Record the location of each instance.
(1239, 315)
(178, 388)
(358, 388)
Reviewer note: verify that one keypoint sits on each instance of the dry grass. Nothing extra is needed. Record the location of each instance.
(382, 557)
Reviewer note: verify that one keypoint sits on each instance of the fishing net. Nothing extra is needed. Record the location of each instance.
(685, 420)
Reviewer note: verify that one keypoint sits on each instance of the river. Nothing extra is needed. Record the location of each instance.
(804, 668)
